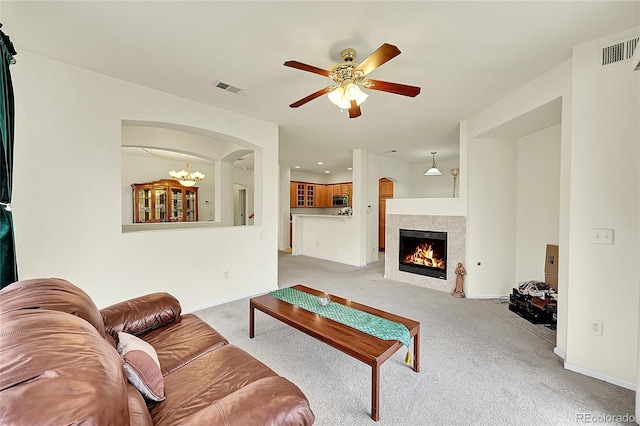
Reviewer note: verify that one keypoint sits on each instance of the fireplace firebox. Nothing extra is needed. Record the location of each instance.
(423, 253)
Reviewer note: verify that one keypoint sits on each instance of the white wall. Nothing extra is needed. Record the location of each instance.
(422, 186)
(381, 167)
(599, 131)
(539, 92)
(538, 201)
(68, 118)
(513, 210)
(284, 212)
(491, 217)
(603, 279)
(326, 178)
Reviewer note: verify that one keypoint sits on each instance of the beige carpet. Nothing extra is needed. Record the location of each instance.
(481, 364)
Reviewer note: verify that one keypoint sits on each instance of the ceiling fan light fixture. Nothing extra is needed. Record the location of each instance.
(354, 93)
(346, 92)
(337, 97)
(433, 170)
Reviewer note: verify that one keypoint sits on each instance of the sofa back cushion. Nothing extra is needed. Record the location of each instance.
(57, 369)
(53, 294)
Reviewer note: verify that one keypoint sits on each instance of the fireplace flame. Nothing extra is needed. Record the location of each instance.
(423, 255)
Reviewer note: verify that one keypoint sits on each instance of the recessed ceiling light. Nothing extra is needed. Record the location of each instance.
(349, 168)
(320, 163)
(327, 171)
(297, 167)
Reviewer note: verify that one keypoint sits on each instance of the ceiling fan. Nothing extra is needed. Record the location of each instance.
(349, 76)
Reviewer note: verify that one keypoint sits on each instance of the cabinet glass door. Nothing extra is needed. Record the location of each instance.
(300, 195)
(191, 206)
(161, 204)
(144, 205)
(310, 195)
(176, 205)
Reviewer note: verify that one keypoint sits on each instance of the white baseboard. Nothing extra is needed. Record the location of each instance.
(484, 296)
(600, 376)
(222, 302)
(562, 354)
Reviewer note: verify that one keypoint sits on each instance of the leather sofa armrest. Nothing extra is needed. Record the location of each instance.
(142, 314)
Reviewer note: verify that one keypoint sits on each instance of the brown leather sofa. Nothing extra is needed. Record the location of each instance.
(59, 365)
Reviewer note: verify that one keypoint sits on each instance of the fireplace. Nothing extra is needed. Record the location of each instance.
(423, 253)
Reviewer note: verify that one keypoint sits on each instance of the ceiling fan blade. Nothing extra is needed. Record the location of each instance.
(383, 54)
(398, 89)
(354, 110)
(310, 97)
(305, 67)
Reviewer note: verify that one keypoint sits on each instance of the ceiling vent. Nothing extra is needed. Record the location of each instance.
(225, 86)
(619, 52)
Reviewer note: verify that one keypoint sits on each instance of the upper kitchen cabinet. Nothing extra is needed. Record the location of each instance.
(321, 196)
(301, 194)
(318, 195)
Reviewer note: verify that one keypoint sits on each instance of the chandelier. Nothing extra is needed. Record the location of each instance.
(185, 177)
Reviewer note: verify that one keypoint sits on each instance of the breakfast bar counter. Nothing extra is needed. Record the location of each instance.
(328, 237)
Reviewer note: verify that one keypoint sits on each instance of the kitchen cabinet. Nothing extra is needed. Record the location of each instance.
(301, 194)
(293, 194)
(297, 194)
(321, 196)
(164, 200)
(318, 195)
(347, 189)
(310, 195)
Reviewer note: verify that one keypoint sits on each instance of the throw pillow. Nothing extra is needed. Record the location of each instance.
(142, 366)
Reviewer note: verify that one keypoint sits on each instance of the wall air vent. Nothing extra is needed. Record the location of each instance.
(619, 52)
(225, 86)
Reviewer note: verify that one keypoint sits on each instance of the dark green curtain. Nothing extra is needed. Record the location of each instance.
(8, 265)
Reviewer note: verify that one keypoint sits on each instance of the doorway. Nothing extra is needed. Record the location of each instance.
(385, 191)
(240, 205)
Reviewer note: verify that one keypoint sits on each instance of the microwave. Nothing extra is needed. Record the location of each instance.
(340, 201)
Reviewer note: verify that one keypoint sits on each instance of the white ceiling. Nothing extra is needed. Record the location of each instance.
(464, 55)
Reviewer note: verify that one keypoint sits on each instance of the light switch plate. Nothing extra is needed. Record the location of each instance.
(601, 236)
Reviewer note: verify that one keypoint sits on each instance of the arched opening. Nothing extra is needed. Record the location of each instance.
(152, 199)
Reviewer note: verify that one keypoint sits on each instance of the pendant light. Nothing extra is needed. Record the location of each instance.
(433, 171)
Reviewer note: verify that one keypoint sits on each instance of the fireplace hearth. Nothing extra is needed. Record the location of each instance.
(423, 253)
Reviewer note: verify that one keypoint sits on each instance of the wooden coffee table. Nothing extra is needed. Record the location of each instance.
(362, 346)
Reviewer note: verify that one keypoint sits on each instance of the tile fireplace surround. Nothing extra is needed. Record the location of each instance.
(456, 229)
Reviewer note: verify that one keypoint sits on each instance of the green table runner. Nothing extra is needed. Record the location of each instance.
(362, 321)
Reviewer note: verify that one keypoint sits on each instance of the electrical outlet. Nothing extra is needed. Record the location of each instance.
(226, 274)
(601, 236)
(595, 327)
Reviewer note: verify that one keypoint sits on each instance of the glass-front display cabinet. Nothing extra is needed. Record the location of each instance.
(164, 200)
